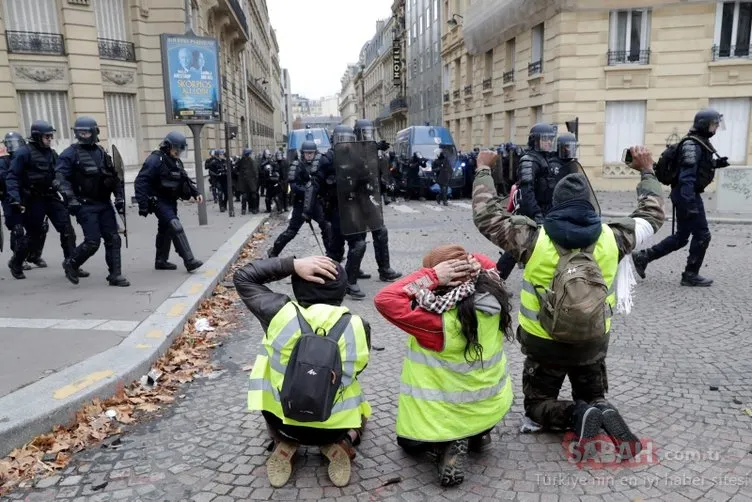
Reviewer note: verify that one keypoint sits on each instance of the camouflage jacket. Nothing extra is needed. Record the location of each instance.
(517, 235)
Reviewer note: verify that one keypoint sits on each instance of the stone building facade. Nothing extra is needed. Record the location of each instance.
(633, 72)
(60, 59)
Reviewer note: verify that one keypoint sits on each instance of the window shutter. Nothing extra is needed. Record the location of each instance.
(110, 16)
(38, 16)
(49, 106)
(625, 126)
(732, 142)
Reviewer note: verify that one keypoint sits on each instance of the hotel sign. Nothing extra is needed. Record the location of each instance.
(396, 62)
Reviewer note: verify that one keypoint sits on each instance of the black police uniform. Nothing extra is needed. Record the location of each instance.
(158, 186)
(696, 165)
(443, 172)
(300, 178)
(87, 178)
(218, 173)
(248, 184)
(30, 184)
(272, 180)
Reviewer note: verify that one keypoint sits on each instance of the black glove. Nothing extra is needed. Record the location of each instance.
(305, 177)
(74, 206)
(383, 145)
(120, 206)
(721, 162)
(143, 210)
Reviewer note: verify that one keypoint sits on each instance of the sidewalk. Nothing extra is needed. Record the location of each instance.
(54, 332)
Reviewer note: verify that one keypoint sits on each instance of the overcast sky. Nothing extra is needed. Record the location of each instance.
(318, 38)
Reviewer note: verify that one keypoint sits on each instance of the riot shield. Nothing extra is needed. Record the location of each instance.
(117, 161)
(573, 166)
(358, 189)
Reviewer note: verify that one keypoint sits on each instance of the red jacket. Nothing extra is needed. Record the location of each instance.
(396, 303)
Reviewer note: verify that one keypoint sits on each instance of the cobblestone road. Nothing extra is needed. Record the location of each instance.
(679, 369)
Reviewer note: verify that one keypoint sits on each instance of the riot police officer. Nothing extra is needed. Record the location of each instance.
(218, 172)
(86, 177)
(442, 169)
(207, 169)
(284, 171)
(271, 179)
(31, 192)
(696, 170)
(300, 179)
(160, 183)
(248, 182)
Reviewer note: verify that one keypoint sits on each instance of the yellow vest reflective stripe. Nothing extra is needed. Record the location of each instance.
(280, 339)
(442, 396)
(540, 269)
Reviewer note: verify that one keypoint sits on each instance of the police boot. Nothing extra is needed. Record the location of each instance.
(37, 260)
(68, 243)
(242, 211)
(693, 279)
(162, 244)
(20, 250)
(16, 267)
(114, 264)
(71, 270)
(363, 275)
(182, 246)
(381, 252)
(354, 292)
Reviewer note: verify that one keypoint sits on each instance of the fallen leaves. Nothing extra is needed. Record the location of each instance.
(189, 356)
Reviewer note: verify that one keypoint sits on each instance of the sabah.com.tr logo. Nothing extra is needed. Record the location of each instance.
(601, 452)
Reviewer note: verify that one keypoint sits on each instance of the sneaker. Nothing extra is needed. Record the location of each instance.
(695, 280)
(627, 444)
(452, 463)
(354, 292)
(477, 444)
(640, 260)
(340, 456)
(587, 422)
(279, 463)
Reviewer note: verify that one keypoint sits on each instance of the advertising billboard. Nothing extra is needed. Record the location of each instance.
(192, 87)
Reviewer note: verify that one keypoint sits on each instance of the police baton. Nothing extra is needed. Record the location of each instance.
(310, 224)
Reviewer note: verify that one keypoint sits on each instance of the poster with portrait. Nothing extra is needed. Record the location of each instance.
(192, 86)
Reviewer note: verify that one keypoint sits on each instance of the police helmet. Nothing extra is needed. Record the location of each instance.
(40, 128)
(308, 146)
(364, 130)
(342, 134)
(706, 118)
(539, 134)
(247, 152)
(567, 146)
(221, 151)
(13, 141)
(267, 154)
(83, 125)
(278, 155)
(175, 139)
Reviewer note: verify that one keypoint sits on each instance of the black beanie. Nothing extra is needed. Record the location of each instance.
(332, 292)
(571, 187)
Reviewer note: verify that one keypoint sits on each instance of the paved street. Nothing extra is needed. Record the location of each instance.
(51, 324)
(679, 370)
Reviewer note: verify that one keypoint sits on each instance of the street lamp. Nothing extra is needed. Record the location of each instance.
(453, 21)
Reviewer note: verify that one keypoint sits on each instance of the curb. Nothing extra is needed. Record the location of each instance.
(38, 407)
(713, 219)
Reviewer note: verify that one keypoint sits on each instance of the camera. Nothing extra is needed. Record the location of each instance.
(626, 156)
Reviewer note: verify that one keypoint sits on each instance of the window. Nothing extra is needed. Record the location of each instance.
(487, 125)
(49, 106)
(469, 75)
(457, 73)
(732, 142)
(732, 29)
(412, 31)
(420, 24)
(435, 10)
(536, 115)
(457, 129)
(625, 126)
(488, 65)
(37, 16)
(120, 110)
(110, 17)
(629, 36)
(422, 101)
(436, 53)
(445, 78)
(511, 126)
(428, 17)
(511, 55)
(536, 59)
(469, 133)
(420, 64)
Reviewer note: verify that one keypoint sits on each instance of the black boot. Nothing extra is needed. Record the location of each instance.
(389, 275)
(363, 275)
(693, 279)
(162, 244)
(37, 260)
(16, 269)
(68, 243)
(354, 292)
(114, 264)
(381, 253)
(183, 247)
(71, 270)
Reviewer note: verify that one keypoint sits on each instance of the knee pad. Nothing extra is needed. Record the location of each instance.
(90, 247)
(176, 226)
(18, 232)
(704, 240)
(112, 240)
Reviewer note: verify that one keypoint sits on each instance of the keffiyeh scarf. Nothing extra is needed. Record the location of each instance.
(438, 304)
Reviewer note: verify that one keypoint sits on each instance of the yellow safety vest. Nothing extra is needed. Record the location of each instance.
(269, 370)
(442, 396)
(540, 269)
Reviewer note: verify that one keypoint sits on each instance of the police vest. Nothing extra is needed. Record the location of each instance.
(705, 170)
(90, 179)
(442, 396)
(171, 185)
(281, 336)
(41, 172)
(4, 168)
(540, 269)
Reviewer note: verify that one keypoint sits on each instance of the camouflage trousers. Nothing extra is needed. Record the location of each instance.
(542, 382)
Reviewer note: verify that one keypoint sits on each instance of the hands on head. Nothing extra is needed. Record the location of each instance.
(455, 272)
(315, 269)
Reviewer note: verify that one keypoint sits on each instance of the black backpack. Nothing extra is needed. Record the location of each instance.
(666, 169)
(314, 373)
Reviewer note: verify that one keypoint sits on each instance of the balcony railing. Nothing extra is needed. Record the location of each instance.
(508, 76)
(487, 84)
(535, 68)
(397, 104)
(116, 49)
(456, 94)
(446, 97)
(238, 10)
(29, 42)
(468, 90)
(731, 52)
(628, 57)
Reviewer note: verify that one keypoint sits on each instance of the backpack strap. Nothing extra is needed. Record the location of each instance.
(339, 327)
(305, 328)
(562, 252)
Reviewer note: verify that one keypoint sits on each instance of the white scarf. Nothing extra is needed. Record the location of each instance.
(625, 274)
